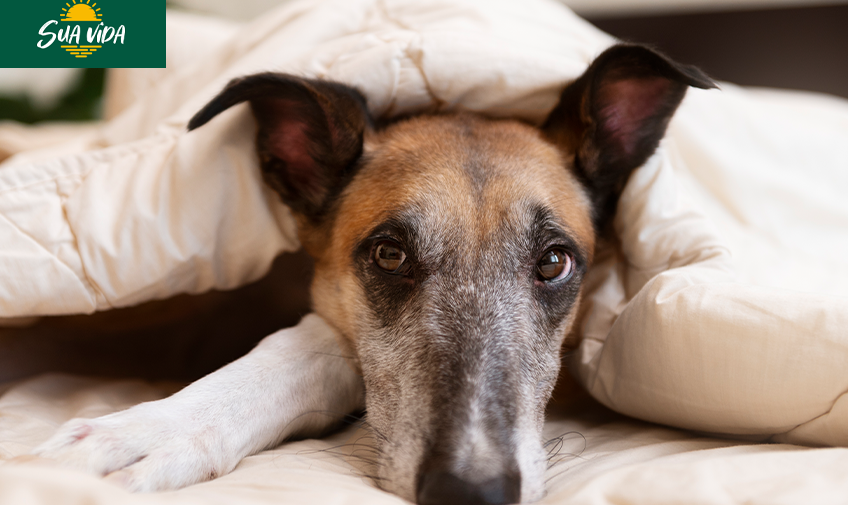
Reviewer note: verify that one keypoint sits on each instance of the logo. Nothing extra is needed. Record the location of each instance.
(81, 14)
(83, 33)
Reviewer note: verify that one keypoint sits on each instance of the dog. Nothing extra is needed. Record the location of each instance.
(449, 253)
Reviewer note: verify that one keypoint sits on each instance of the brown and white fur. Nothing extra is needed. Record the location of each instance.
(449, 252)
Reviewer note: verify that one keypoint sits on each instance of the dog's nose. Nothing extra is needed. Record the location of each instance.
(443, 488)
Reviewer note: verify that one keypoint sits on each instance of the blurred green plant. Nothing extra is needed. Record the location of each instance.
(81, 103)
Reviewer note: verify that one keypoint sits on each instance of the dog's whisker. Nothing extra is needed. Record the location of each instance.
(374, 431)
(366, 435)
(562, 437)
(363, 459)
(354, 419)
(366, 449)
(564, 458)
(555, 446)
(371, 454)
(355, 445)
(367, 441)
(328, 354)
(561, 458)
(555, 456)
(372, 462)
(360, 450)
(373, 477)
(333, 451)
(557, 443)
(556, 475)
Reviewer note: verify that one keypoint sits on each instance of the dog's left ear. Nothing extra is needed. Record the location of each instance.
(612, 118)
(310, 134)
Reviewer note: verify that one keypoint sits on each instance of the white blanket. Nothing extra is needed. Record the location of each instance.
(597, 458)
(726, 309)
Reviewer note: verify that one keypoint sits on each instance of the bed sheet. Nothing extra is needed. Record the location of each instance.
(597, 457)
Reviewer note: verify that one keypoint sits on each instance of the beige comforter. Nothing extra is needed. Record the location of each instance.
(725, 310)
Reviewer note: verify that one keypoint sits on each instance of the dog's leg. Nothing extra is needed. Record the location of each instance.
(295, 382)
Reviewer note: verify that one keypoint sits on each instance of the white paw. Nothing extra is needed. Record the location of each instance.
(146, 448)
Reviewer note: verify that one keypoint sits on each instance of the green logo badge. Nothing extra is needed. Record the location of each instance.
(84, 33)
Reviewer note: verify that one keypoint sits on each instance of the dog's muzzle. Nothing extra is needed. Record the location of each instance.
(471, 458)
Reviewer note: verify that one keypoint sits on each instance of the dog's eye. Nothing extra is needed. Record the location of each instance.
(554, 265)
(390, 257)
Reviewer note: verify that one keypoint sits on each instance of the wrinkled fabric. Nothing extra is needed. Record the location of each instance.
(596, 457)
(728, 307)
(146, 210)
(724, 310)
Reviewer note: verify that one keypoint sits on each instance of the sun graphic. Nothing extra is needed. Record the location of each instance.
(80, 11)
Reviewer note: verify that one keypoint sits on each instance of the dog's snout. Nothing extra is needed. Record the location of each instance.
(444, 488)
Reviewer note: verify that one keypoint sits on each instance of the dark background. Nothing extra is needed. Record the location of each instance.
(796, 48)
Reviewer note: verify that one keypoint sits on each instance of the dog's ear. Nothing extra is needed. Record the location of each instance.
(310, 134)
(612, 118)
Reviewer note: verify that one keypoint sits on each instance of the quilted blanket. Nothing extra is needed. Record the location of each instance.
(724, 311)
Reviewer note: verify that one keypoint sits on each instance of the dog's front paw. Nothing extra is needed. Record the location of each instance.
(145, 448)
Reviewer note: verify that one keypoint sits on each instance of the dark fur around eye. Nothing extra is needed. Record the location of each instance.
(388, 291)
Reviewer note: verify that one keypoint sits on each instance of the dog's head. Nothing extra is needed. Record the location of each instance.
(449, 253)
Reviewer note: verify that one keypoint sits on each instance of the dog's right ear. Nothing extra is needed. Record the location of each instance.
(310, 134)
(612, 118)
